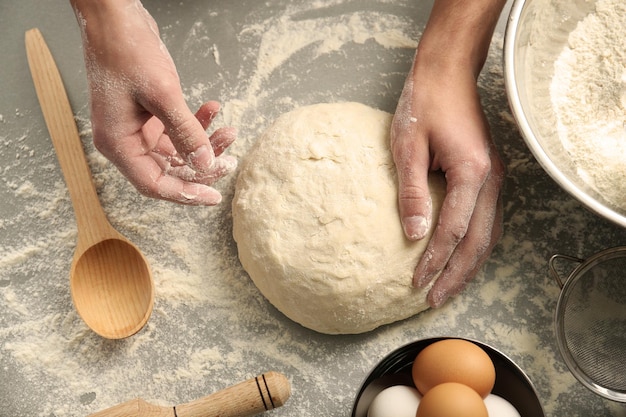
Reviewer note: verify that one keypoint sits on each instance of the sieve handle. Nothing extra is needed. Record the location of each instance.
(554, 273)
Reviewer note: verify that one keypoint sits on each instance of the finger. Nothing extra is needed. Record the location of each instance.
(207, 112)
(152, 130)
(173, 165)
(165, 152)
(174, 189)
(411, 158)
(464, 184)
(181, 125)
(150, 180)
(222, 167)
(463, 267)
(469, 256)
(222, 138)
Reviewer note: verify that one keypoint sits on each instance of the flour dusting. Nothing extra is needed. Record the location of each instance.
(198, 281)
(211, 327)
(589, 96)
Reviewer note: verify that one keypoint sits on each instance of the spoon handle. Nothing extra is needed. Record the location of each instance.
(90, 217)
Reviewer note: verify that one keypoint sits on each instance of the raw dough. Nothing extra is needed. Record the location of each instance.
(315, 218)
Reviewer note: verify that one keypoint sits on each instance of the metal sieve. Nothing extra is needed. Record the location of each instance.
(590, 321)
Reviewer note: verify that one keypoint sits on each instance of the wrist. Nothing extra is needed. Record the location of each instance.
(111, 29)
(93, 8)
(95, 15)
(458, 34)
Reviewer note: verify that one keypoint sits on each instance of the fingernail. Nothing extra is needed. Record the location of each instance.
(415, 227)
(199, 194)
(438, 299)
(188, 198)
(201, 159)
(228, 163)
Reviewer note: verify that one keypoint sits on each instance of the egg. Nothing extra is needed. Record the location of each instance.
(454, 360)
(396, 401)
(451, 399)
(499, 407)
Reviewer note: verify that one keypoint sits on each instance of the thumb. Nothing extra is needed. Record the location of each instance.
(414, 201)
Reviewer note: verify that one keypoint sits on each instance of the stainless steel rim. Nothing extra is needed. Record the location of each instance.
(559, 320)
(515, 102)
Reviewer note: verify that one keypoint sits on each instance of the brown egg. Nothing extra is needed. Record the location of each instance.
(454, 360)
(452, 399)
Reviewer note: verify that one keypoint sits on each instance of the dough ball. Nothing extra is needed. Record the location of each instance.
(315, 218)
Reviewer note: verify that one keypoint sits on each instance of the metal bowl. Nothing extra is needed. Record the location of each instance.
(511, 384)
(536, 33)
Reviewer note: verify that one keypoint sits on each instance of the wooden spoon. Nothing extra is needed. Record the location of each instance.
(264, 392)
(110, 279)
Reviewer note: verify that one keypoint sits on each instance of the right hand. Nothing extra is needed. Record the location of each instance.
(440, 125)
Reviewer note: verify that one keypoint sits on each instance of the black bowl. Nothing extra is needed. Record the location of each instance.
(512, 384)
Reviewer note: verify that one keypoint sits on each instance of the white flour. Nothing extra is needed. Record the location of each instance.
(589, 96)
(210, 326)
(198, 280)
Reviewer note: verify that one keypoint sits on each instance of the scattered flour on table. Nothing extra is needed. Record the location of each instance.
(589, 96)
(286, 36)
(210, 326)
(199, 283)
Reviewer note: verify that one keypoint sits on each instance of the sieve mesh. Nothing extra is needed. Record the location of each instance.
(592, 320)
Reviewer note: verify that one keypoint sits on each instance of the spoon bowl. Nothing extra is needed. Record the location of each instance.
(110, 280)
(108, 283)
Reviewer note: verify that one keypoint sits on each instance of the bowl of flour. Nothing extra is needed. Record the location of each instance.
(565, 75)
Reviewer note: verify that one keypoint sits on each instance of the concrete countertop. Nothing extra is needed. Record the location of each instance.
(211, 328)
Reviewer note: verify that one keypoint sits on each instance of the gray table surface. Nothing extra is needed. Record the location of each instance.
(211, 328)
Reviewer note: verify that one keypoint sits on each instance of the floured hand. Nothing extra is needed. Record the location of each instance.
(139, 117)
(440, 125)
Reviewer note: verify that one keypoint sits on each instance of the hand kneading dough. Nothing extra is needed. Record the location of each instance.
(315, 218)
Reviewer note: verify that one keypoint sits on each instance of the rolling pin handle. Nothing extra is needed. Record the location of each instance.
(266, 394)
(256, 395)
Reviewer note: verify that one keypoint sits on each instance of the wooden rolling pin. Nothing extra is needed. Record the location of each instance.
(264, 392)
